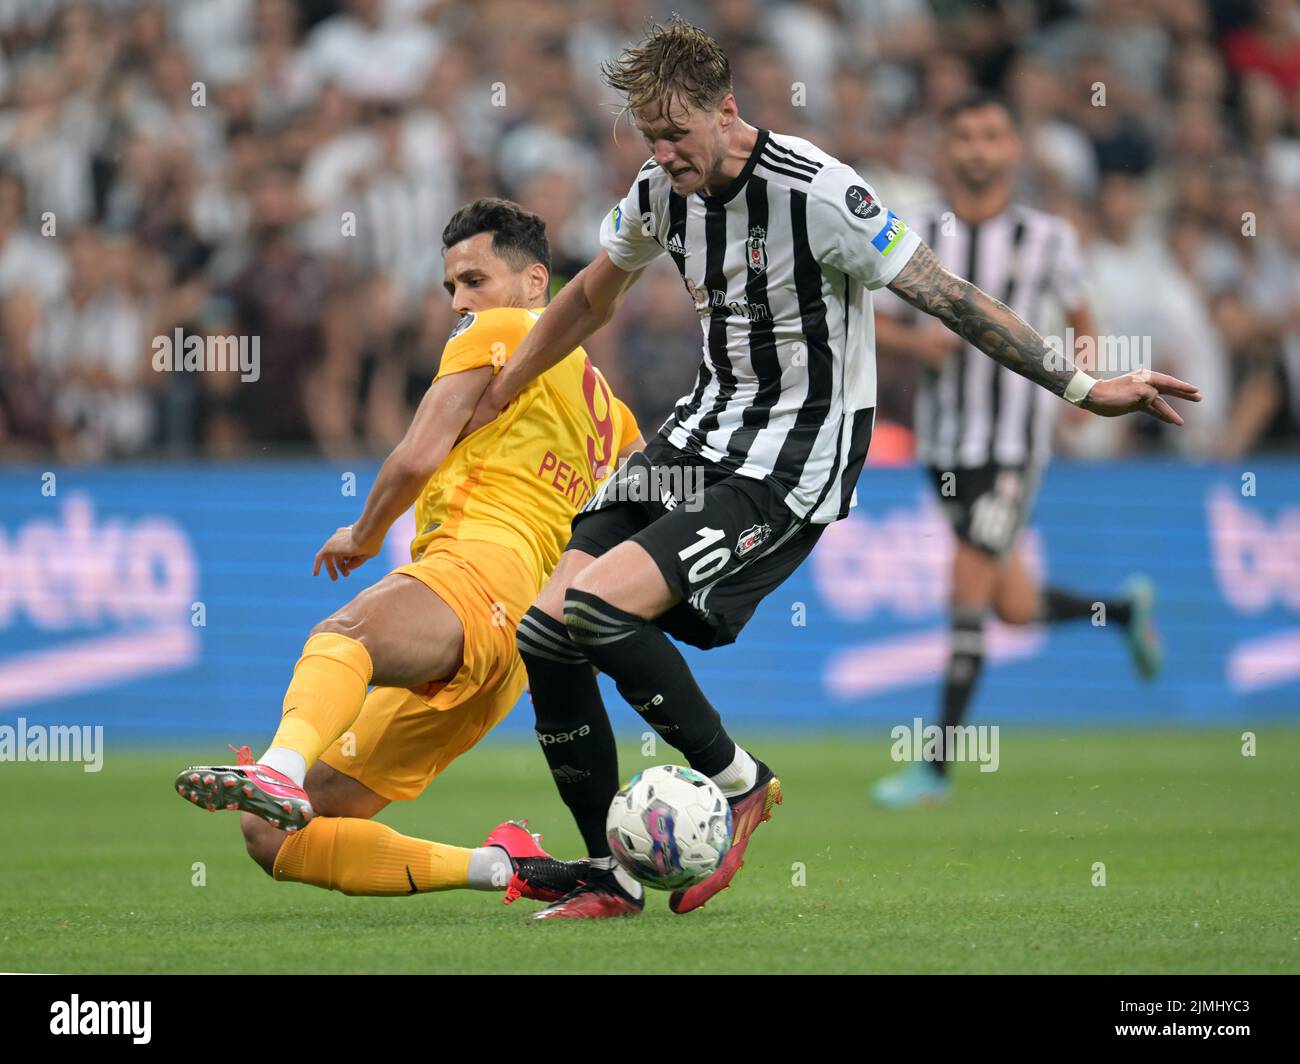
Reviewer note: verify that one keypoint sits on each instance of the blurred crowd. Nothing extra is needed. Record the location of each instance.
(284, 169)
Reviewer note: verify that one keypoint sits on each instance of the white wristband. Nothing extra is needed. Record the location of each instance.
(1078, 388)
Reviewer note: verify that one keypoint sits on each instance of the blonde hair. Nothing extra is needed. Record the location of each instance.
(673, 59)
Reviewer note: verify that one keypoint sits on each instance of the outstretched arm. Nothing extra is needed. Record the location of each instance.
(1005, 337)
(437, 424)
(582, 306)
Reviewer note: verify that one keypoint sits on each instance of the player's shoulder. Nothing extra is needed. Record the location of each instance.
(788, 146)
(484, 337)
(791, 161)
(653, 178)
(818, 173)
(495, 323)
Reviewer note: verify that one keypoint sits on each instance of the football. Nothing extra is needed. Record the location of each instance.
(669, 827)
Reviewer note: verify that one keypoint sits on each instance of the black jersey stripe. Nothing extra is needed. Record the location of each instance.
(677, 229)
(795, 157)
(715, 280)
(1008, 297)
(643, 201)
(677, 224)
(763, 355)
(800, 440)
(777, 168)
(830, 481)
(844, 466)
(789, 164)
(859, 443)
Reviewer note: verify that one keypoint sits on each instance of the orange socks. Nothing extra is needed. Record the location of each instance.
(325, 695)
(356, 856)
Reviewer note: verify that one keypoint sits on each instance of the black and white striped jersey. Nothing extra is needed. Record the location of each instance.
(780, 266)
(973, 411)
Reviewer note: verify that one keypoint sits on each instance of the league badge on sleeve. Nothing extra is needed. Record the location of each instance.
(465, 322)
(861, 202)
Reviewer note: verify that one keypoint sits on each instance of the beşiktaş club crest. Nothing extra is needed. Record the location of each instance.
(757, 245)
(751, 538)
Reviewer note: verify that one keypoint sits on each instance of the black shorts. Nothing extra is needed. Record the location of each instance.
(987, 506)
(721, 541)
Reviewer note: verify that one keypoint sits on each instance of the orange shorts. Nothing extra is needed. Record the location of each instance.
(404, 738)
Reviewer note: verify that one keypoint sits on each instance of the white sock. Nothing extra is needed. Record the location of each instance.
(627, 882)
(738, 777)
(290, 762)
(608, 864)
(489, 868)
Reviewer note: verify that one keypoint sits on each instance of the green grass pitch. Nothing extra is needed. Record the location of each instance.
(1201, 848)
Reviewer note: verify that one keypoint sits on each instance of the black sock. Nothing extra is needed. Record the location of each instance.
(1059, 605)
(572, 725)
(965, 660)
(653, 676)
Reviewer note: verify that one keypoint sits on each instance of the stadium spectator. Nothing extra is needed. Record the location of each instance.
(282, 170)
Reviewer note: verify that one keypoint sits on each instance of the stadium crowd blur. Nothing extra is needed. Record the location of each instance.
(284, 170)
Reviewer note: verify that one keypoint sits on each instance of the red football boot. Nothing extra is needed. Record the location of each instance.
(250, 788)
(747, 812)
(536, 875)
(598, 898)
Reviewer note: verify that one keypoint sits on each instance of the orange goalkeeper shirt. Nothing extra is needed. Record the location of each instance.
(519, 479)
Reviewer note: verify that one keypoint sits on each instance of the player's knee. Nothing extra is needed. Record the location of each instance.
(542, 639)
(591, 621)
(261, 840)
(587, 581)
(1016, 603)
(574, 623)
(344, 623)
(1013, 610)
(551, 602)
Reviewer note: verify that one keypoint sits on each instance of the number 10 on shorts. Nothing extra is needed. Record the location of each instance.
(712, 562)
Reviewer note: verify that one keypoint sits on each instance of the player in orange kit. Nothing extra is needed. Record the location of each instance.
(436, 637)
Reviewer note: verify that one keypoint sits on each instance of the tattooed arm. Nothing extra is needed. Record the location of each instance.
(1005, 337)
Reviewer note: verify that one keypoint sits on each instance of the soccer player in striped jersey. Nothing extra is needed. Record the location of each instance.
(779, 246)
(983, 431)
(435, 638)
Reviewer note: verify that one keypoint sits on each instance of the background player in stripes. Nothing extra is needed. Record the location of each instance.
(779, 245)
(985, 432)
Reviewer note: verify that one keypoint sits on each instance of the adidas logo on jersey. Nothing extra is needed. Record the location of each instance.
(676, 245)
